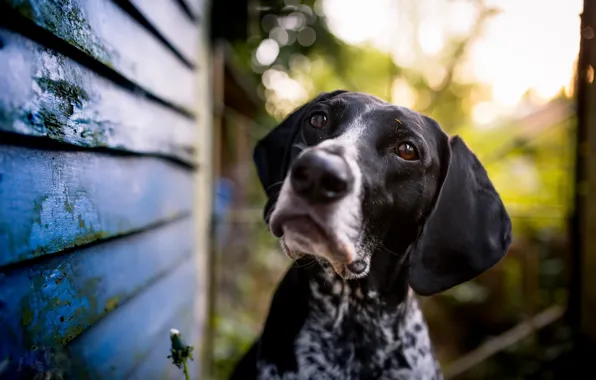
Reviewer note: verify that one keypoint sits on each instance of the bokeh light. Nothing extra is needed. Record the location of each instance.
(267, 52)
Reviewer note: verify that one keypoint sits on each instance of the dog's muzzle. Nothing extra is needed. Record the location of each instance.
(319, 180)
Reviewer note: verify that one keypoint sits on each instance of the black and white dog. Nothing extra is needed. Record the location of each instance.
(385, 202)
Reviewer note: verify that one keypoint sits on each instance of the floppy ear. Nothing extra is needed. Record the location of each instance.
(273, 154)
(466, 233)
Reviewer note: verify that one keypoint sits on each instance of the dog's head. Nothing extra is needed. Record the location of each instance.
(349, 175)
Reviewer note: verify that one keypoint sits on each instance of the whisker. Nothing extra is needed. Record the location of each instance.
(300, 146)
(303, 265)
(390, 251)
(402, 258)
(274, 184)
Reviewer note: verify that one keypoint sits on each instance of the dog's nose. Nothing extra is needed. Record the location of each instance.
(321, 177)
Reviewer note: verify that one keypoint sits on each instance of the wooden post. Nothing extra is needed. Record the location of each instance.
(204, 190)
(218, 108)
(583, 288)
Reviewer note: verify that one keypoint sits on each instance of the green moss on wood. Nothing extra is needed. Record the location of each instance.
(89, 237)
(87, 233)
(68, 207)
(81, 222)
(55, 116)
(66, 20)
(71, 332)
(111, 304)
(64, 90)
(50, 317)
(52, 117)
(38, 208)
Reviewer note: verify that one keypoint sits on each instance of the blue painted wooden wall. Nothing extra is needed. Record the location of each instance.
(99, 102)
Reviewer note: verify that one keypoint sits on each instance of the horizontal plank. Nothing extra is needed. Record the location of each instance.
(103, 31)
(46, 94)
(52, 200)
(111, 348)
(156, 365)
(52, 301)
(175, 26)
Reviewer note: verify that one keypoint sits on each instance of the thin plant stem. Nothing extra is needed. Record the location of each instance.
(186, 375)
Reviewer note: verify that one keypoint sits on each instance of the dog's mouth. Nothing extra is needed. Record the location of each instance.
(302, 234)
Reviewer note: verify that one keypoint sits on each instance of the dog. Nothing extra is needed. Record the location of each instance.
(375, 203)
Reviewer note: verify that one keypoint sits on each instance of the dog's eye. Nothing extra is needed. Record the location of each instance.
(407, 151)
(318, 120)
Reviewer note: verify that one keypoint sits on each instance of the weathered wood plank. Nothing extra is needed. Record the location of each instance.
(103, 31)
(52, 200)
(46, 94)
(156, 365)
(108, 350)
(52, 301)
(168, 17)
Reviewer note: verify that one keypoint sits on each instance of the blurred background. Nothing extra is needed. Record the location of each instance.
(500, 73)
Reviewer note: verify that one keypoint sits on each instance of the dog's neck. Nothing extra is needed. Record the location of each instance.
(386, 284)
(387, 281)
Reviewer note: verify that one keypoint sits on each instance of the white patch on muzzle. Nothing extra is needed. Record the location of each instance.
(343, 218)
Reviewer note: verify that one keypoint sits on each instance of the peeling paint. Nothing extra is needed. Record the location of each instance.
(69, 23)
(69, 199)
(151, 320)
(51, 96)
(56, 299)
(46, 208)
(103, 31)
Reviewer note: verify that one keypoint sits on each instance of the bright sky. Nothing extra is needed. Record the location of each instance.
(532, 44)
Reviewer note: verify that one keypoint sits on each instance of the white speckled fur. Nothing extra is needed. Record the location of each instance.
(402, 348)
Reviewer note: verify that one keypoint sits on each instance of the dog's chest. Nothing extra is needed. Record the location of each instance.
(348, 335)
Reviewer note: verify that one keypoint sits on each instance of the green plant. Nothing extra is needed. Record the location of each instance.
(180, 351)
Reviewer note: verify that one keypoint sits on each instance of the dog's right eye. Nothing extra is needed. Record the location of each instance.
(406, 151)
(318, 120)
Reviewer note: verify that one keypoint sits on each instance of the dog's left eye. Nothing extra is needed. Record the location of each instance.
(318, 120)
(406, 151)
